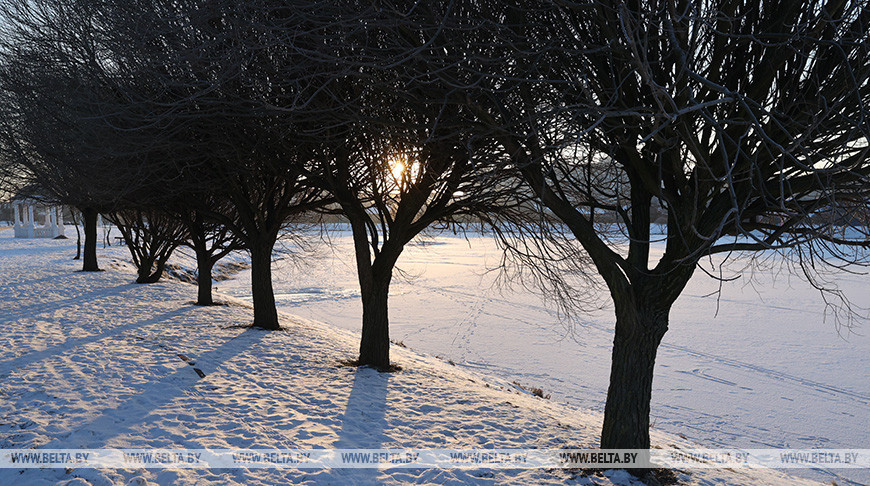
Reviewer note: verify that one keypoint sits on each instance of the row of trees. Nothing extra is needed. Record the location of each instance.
(217, 123)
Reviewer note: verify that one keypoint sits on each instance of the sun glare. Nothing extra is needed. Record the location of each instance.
(397, 169)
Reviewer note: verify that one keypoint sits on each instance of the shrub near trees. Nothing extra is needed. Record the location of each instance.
(151, 235)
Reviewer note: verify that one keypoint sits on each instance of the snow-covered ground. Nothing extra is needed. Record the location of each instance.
(767, 370)
(91, 360)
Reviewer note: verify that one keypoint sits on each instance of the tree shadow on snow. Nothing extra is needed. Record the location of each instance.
(76, 299)
(137, 410)
(71, 344)
(364, 422)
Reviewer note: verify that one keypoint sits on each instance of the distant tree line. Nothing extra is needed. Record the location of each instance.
(567, 127)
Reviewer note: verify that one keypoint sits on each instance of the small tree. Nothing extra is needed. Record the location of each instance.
(151, 236)
(210, 241)
(75, 220)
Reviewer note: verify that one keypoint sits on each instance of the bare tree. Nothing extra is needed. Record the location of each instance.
(391, 189)
(395, 152)
(151, 235)
(742, 122)
(223, 122)
(55, 90)
(210, 241)
(50, 149)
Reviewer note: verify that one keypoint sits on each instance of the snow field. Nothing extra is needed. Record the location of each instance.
(92, 360)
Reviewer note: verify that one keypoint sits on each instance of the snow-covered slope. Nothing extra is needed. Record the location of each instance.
(757, 366)
(92, 360)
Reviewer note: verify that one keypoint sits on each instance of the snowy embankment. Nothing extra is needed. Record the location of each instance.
(758, 365)
(92, 360)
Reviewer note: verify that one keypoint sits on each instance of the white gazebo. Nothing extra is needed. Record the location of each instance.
(26, 212)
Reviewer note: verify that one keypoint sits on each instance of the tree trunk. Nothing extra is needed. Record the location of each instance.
(262, 295)
(639, 330)
(374, 348)
(374, 283)
(149, 279)
(203, 279)
(78, 236)
(89, 220)
(147, 272)
(161, 267)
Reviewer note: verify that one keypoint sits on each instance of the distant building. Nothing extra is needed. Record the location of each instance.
(33, 219)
